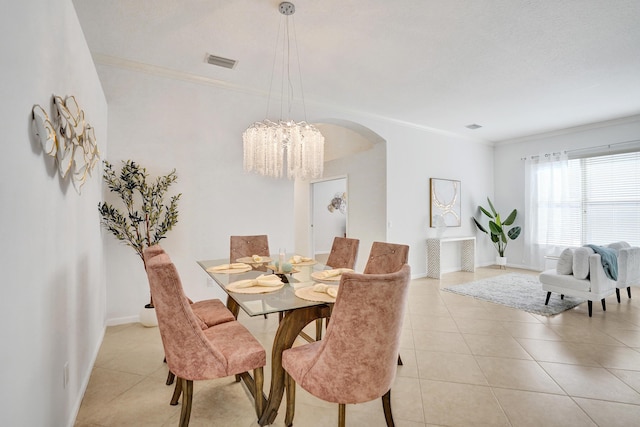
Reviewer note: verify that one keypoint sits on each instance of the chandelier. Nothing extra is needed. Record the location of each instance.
(266, 143)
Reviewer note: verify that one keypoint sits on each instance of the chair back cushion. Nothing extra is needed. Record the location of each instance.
(386, 258)
(357, 359)
(246, 246)
(344, 253)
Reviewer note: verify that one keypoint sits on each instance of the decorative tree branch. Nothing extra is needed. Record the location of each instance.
(146, 219)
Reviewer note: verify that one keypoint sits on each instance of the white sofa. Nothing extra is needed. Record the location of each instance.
(579, 273)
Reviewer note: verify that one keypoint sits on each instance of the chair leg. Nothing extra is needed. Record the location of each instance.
(629, 291)
(342, 415)
(547, 300)
(604, 306)
(399, 360)
(258, 376)
(618, 294)
(177, 391)
(185, 414)
(318, 329)
(290, 386)
(561, 296)
(590, 307)
(170, 377)
(386, 405)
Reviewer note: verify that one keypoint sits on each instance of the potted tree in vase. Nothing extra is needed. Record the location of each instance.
(498, 231)
(146, 218)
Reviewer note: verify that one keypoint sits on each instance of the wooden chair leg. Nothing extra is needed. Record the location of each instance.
(386, 405)
(177, 391)
(258, 376)
(604, 306)
(318, 329)
(170, 378)
(629, 291)
(187, 397)
(618, 295)
(290, 387)
(590, 308)
(547, 300)
(399, 360)
(342, 415)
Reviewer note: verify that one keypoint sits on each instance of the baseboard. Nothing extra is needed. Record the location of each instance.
(85, 380)
(123, 320)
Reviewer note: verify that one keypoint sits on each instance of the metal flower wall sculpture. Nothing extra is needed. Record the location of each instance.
(68, 138)
(339, 203)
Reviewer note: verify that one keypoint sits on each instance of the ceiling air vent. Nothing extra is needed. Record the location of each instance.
(473, 126)
(221, 62)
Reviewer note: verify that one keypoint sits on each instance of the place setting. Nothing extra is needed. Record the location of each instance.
(262, 284)
(332, 275)
(230, 268)
(318, 292)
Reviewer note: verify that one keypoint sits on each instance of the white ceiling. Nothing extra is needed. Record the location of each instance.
(516, 67)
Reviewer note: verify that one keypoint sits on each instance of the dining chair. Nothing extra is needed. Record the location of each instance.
(386, 258)
(194, 353)
(208, 312)
(344, 253)
(247, 246)
(356, 360)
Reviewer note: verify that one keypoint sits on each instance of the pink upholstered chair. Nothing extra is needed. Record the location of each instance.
(344, 253)
(356, 361)
(244, 246)
(209, 312)
(386, 258)
(193, 353)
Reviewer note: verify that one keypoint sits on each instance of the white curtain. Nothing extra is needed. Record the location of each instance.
(546, 193)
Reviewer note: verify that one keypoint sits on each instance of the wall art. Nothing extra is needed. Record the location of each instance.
(445, 203)
(68, 138)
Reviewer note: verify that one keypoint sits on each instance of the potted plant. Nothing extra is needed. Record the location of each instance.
(146, 218)
(498, 231)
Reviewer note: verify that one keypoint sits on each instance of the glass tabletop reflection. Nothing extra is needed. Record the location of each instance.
(281, 300)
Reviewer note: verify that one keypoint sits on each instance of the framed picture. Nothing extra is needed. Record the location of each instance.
(445, 203)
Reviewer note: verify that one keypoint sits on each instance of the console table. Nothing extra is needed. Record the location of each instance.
(434, 249)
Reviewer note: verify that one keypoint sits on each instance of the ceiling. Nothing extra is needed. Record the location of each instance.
(516, 67)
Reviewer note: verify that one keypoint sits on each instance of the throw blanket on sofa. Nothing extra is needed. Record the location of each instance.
(609, 260)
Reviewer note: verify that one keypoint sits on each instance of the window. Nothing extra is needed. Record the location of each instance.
(596, 200)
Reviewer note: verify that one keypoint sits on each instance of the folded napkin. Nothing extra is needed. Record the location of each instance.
(297, 259)
(256, 258)
(262, 280)
(329, 290)
(325, 274)
(232, 266)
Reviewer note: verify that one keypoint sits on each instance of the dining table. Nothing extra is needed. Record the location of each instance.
(294, 312)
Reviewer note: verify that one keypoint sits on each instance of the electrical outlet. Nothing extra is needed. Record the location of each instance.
(65, 375)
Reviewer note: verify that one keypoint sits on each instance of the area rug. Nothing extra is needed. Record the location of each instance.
(521, 291)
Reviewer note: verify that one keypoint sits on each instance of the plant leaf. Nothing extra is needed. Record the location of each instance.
(511, 217)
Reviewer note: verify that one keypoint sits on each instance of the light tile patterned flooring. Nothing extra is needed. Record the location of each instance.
(466, 363)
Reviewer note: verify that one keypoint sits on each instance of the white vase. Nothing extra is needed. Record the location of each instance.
(501, 261)
(148, 317)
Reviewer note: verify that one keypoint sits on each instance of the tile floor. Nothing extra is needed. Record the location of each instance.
(466, 363)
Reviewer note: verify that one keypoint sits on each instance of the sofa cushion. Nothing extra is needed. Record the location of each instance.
(618, 245)
(565, 262)
(551, 277)
(581, 262)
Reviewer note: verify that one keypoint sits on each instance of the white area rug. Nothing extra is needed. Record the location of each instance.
(521, 291)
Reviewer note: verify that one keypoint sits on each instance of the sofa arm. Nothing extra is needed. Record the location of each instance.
(629, 266)
(598, 278)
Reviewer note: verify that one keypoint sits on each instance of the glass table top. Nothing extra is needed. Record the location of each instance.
(273, 302)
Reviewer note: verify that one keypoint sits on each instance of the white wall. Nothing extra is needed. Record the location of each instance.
(509, 176)
(52, 308)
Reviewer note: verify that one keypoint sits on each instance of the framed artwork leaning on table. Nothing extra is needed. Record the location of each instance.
(444, 203)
